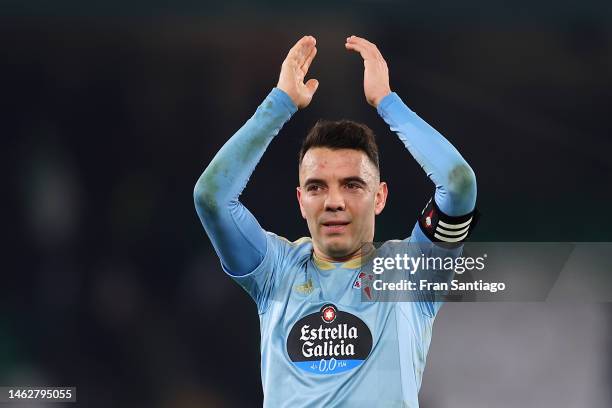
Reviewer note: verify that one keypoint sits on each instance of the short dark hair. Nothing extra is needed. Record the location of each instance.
(341, 134)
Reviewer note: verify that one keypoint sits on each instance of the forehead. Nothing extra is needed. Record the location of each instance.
(323, 163)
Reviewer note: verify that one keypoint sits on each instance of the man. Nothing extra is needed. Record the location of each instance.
(321, 345)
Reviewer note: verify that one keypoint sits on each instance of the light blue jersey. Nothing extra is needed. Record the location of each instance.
(321, 345)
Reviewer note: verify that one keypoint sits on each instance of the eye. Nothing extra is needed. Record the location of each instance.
(313, 188)
(353, 186)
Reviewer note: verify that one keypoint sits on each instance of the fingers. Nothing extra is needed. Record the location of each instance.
(312, 85)
(299, 53)
(359, 48)
(353, 39)
(308, 60)
(367, 49)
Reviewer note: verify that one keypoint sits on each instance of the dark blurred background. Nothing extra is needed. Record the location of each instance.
(110, 112)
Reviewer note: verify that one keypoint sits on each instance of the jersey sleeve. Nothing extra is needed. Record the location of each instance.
(263, 282)
(429, 302)
(447, 217)
(454, 179)
(238, 239)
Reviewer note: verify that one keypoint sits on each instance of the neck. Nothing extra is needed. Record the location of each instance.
(358, 253)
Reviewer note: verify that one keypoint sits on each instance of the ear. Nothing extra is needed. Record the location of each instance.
(299, 198)
(381, 197)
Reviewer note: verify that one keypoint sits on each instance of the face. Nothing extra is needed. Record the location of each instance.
(340, 194)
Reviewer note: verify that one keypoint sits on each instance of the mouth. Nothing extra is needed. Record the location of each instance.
(335, 227)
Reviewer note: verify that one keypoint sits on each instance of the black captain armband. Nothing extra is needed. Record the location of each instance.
(439, 227)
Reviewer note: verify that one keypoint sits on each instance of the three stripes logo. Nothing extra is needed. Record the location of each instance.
(452, 232)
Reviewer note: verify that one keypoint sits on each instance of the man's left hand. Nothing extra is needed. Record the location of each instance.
(376, 74)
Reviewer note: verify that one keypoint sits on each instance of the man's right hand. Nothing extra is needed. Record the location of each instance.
(294, 69)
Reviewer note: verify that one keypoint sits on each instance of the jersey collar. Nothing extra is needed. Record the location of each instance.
(354, 263)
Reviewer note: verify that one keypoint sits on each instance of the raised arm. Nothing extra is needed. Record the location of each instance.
(454, 179)
(237, 237)
(447, 217)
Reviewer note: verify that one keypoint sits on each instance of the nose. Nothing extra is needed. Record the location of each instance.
(334, 200)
